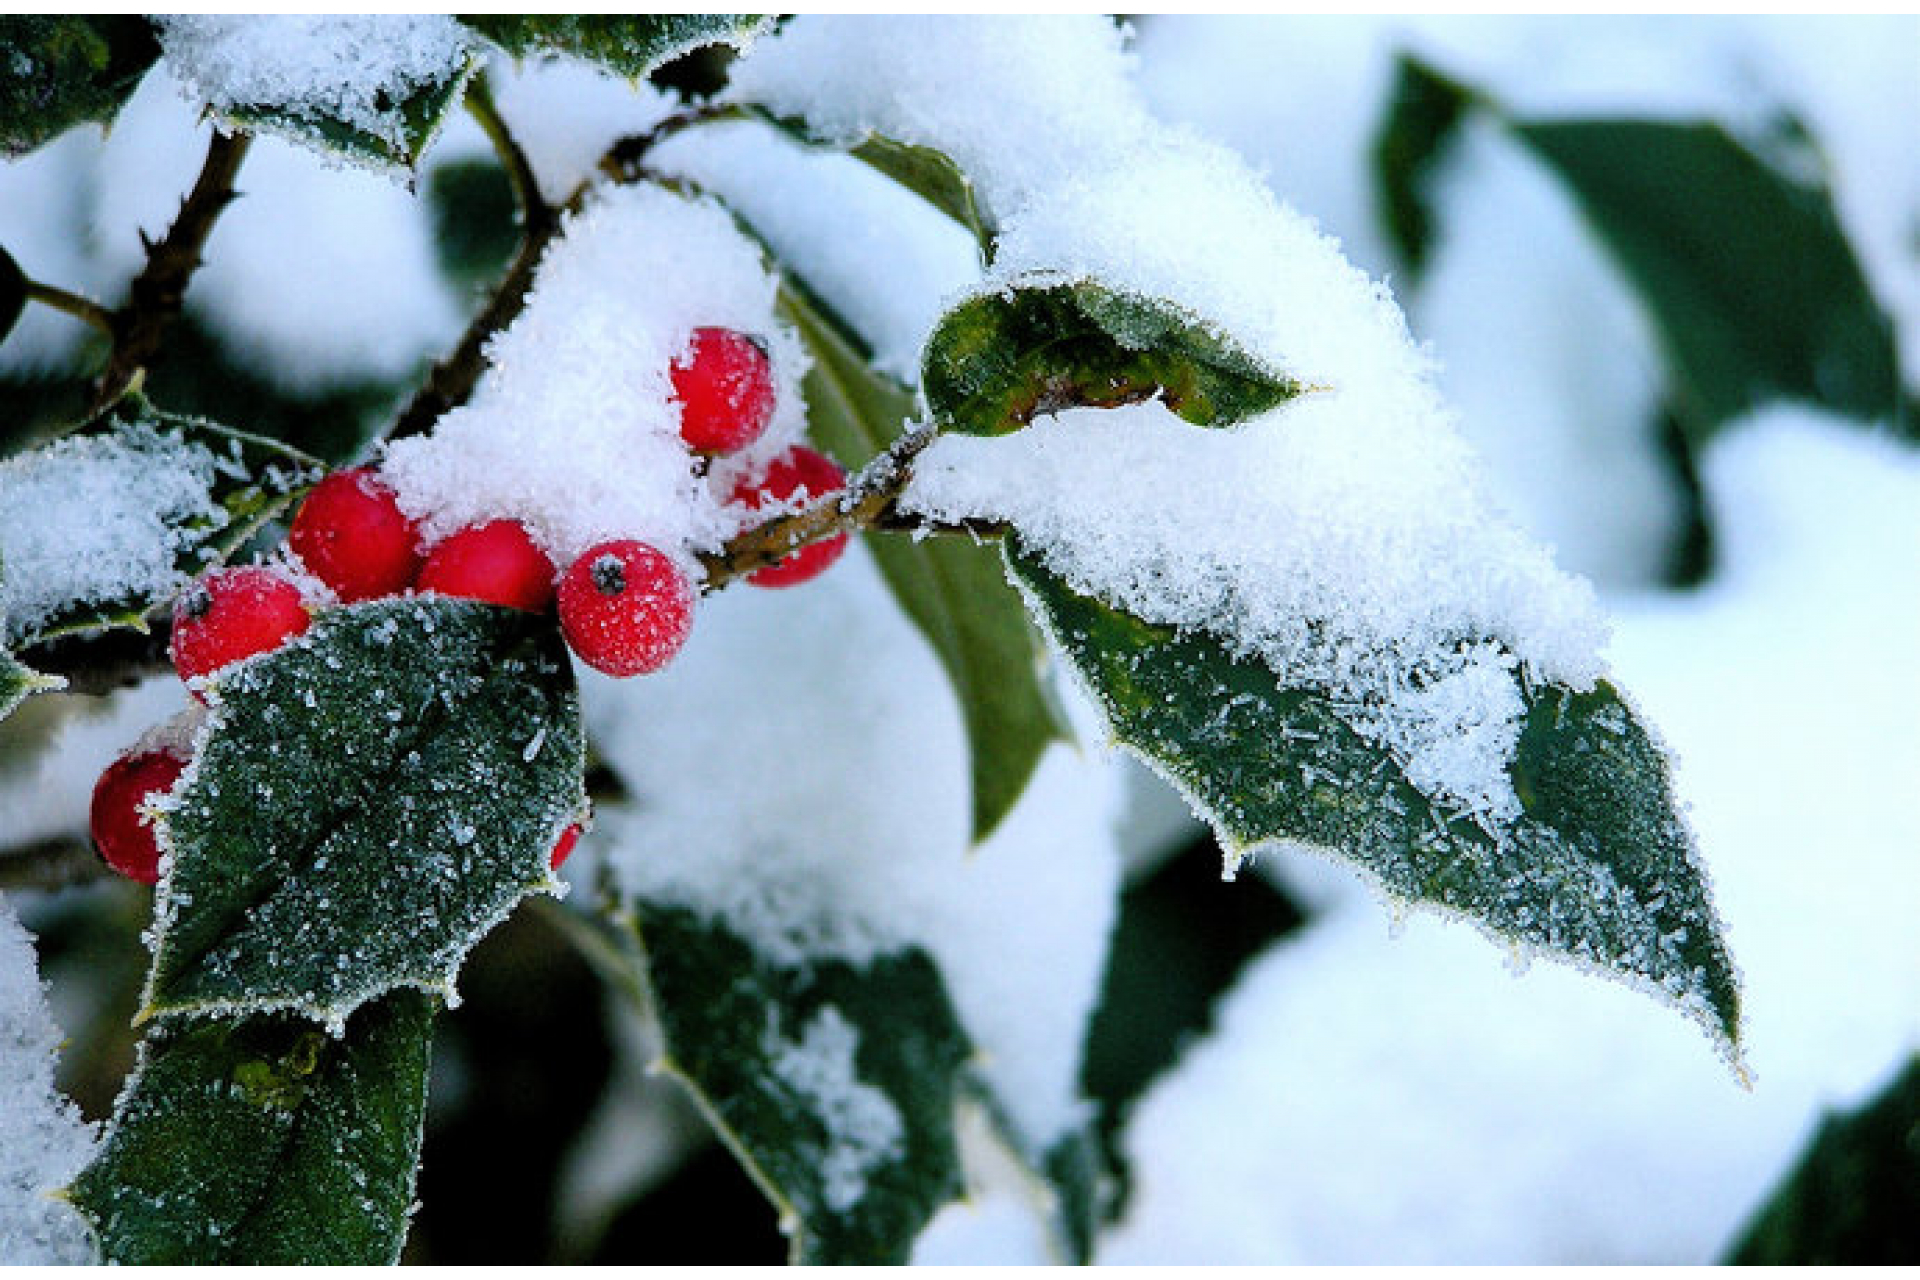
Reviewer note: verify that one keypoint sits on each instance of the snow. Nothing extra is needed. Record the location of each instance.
(43, 1141)
(862, 1127)
(98, 520)
(1591, 1127)
(584, 371)
(357, 69)
(565, 114)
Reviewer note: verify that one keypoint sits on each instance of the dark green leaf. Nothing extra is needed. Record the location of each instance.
(1598, 868)
(263, 1141)
(1854, 1198)
(18, 683)
(1743, 267)
(629, 44)
(13, 293)
(935, 178)
(253, 480)
(835, 1083)
(367, 802)
(955, 590)
(1422, 115)
(56, 72)
(420, 111)
(999, 360)
(475, 221)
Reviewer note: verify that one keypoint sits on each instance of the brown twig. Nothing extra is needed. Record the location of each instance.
(73, 304)
(156, 294)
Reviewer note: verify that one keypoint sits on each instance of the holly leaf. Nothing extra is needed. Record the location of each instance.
(1041, 344)
(18, 682)
(834, 1083)
(240, 481)
(1743, 267)
(265, 1141)
(60, 71)
(364, 805)
(13, 292)
(1423, 114)
(630, 44)
(1598, 868)
(953, 589)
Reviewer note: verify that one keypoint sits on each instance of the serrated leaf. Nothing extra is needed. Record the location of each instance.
(265, 1141)
(253, 479)
(631, 44)
(19, 682)
(835, 1083)
(1423, 113)
(13, 293)
(1039, 345)
(1854, 1197)
(1744, 268)
(60, 71)
(414, 121)
(365, 804)
(1598, 868)
(953, 589)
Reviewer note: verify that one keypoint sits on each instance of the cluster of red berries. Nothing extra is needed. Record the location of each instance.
(624, 607)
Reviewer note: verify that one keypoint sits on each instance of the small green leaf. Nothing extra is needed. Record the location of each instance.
(413, 122)
(252, 479)
(954, 589)
(1744, 268)
(1598, 868)
(13, 293)
(834, 1083)
(366, 803)
(1037, 346)
(1854, 1198)
(1425, 110)
(631, 44)
(264, 1141)
(19, 682)
(57, 72)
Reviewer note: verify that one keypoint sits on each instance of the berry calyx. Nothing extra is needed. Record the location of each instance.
(498, 562)
(122, 832)
(625, 608)
(799, 468)
(232, 614)
(352, 535)
(725, 388)
(564, 845)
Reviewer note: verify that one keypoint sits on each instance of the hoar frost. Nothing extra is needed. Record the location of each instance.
(863, 1127)
(1344, 537)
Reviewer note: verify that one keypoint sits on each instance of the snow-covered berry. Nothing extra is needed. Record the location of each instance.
(351, 534)
(122, 829)
(725, 388)
(232, 614)
(563, 847)
(625, 608)
(804, 472)
(498, 562)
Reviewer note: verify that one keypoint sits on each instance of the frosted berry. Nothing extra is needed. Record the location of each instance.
(625, 608)
(232, 614)
(564, 845)
(796, 469)
(352, 535)
(725, 388)
(123, 834)
(497, 562)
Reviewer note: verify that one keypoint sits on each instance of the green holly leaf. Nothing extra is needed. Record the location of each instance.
(13, 293)
(1743, 267)
(19, 682)
(1423, 115)
(834, 1083)
(1854, 1197)
(265, 1141)
(1598, 868)
(413, 122)
(364, 805)
(1039, 345)
(953, 589)
(226, 484)
(60, 71)
(630, 44)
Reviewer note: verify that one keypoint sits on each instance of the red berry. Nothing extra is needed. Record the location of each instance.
(352, 535)
(122, 833)
(625, 608)
(796, 469)
(497, 562)
(232, 614)
(725, 388)
(564, 845)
